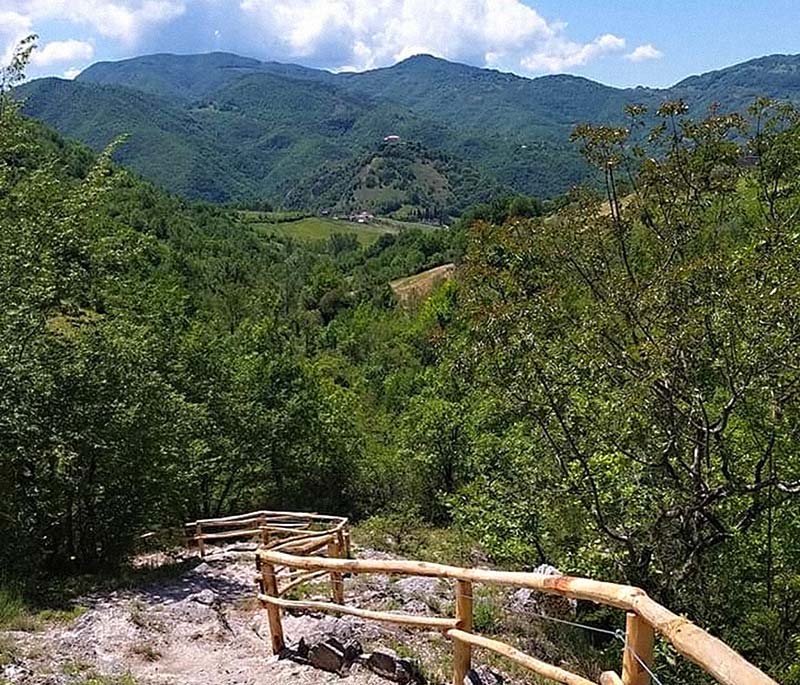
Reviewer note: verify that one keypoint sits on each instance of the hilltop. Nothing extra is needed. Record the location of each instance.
(397, 178)
(224, 127)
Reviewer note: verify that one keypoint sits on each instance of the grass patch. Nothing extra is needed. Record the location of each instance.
(146, 651)
(17, 614)
(404, 535)
(312, 229)
(301, 592)
(8, 650)
(95, 679)
(61, 616)
(142, 617)
(14, 612)
(486, 617)
(247, 604)
(75, 668)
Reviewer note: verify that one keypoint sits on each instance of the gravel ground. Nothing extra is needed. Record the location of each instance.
(204, 627)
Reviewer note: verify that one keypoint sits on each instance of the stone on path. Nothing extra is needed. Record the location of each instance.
(483, 675)
(387, 664)
(327, 655)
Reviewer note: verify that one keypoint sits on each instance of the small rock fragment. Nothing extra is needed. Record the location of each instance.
(200, 569)
(352, 651)
(302, 648)
(405, 671)
(383, 663)
(207, 597)
(388, 665)
(419, 588)
(483, 675)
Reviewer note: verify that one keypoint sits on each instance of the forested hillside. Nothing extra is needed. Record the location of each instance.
(609, 384)
(221, 127)
(399, 179)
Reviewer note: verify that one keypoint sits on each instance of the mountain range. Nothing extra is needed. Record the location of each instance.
(425, 135)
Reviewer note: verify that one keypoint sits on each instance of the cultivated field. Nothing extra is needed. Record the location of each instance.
(314, 228)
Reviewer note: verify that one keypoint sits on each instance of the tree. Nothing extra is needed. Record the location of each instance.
(648, 344)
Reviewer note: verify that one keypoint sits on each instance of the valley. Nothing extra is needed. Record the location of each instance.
(221, 127)
(320, 229)
(495, 322)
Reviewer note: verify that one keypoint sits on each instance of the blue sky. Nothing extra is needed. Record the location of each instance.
(619, 42)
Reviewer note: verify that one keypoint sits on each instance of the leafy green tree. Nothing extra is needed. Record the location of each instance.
(647, 343)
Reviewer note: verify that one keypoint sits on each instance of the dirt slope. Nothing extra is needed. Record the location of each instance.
(199, 628)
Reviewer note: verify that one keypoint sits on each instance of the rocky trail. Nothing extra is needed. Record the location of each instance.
(204, 626)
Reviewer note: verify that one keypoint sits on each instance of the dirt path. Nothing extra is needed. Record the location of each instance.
(200, 628)
(413, 288)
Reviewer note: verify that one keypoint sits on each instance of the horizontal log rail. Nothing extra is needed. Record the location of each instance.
(299, 580)
(412, 620)
(291, 526)
(554, 673)
(277, 559)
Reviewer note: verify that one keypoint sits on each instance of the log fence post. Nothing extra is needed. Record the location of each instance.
(347, 551)
(462, 652)
(337, 586)
(270, 584)
(639, 637)
(198, 533)
(265, 536)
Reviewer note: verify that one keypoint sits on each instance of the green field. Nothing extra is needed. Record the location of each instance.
(319, 228)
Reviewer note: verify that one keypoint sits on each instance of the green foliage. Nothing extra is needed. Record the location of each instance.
(400, 179)
(486, 616)
(402, 532)
(610, 387)
(639, 357)
(12, 605)
(161, 361)
(226, 128)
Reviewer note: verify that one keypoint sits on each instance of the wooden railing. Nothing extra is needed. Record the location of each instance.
(265, 526)
(287, 561)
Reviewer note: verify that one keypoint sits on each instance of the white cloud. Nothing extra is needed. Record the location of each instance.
(564, 55)
(338, 34)
(72, 73)
(62, 51)
(644, 52)
(13, 23)
(13, 27)
(363, 34)
(123, 20)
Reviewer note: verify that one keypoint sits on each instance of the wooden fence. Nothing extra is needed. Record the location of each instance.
(265, 526)
(297, 548)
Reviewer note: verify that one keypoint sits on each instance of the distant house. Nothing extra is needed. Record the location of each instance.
(391, 139)
(362, 217)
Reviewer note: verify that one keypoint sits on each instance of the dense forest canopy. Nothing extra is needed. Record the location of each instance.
(222, 127)
(609, 385)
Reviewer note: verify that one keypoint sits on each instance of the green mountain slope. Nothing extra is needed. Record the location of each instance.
(490, 100)
(220, 126)
(400, 179)
(774, 76)
(182, 76)
(165, 142)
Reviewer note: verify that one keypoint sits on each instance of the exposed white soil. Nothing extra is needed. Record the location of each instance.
(204, 627)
